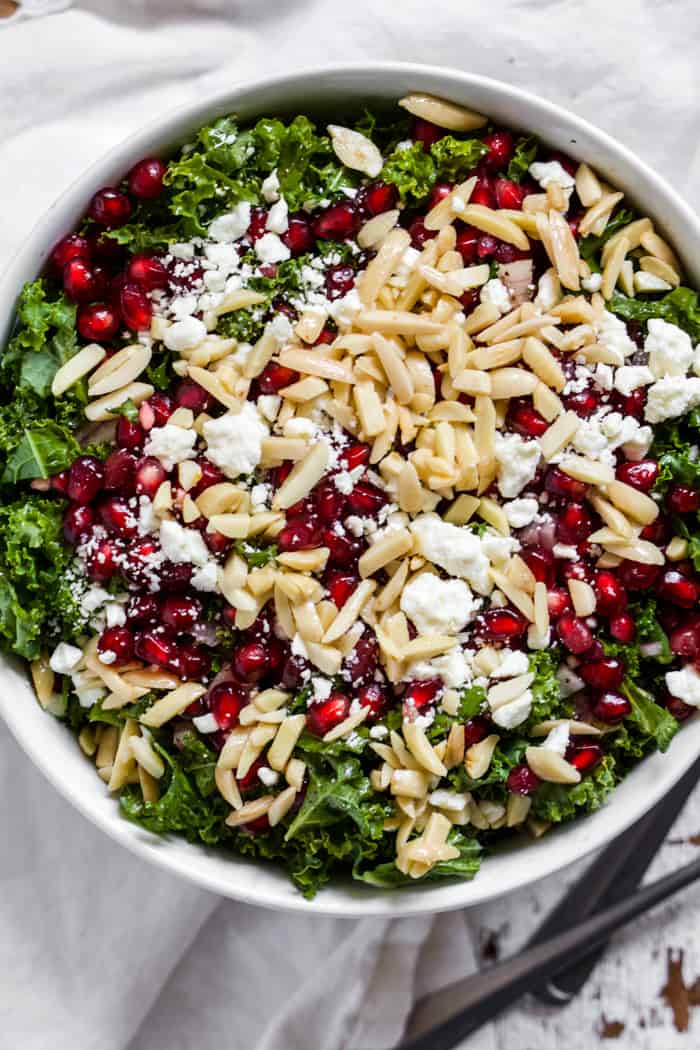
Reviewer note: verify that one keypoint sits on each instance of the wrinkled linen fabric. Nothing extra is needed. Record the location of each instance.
(98, 950)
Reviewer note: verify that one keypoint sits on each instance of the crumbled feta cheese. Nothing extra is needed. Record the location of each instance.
(224, 256)
(232, 225)
(88, 697)
(114, 614)
(270, 186)
(270, 249)
(320, 689)
(65, 658)
(631, 377)
(300, 427)
(535, 640)
(456, 550)
(569, 682)
(267, 776)
(550, 172)
(206, 578)
(672, 397)
(205, 723)
(185, 335)
(182, 251)
(685, 685)
(613, 337)
(280, 329)
(498, 548)
(599, 436)
(521, 512)
(561, 550)
(234, 441)
(514, 712)
(496, 293)
(170, 444)
(378, 732)
(183, 545)
(259, 497)
(604, 376)
(517, 462)
(453, 667)
(557, 739)
(344, 310)
(437, 606)
(513, 663)
(592, 283)
(298, 647)
(669, 348)
(107, 657)
(278, 217)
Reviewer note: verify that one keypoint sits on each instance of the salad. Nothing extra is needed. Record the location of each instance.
(350, 490)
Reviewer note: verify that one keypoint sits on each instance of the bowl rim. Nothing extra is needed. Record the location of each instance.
(541, 858)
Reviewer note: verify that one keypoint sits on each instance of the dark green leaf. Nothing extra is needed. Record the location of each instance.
(413, 173)
(524, 155)
(456, 158)
(651, 719)
(43, 450)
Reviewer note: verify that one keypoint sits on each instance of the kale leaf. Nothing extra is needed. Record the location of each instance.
(679, 307)
(455, 158)
(413, 173)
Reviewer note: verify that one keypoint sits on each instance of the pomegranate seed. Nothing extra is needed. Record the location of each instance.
(622, 628)
(526, 420)
(278, 653)
(420, 234)
(299, 535)
(120, 642)
(293, 672)
(638, 577)
(363, 661)
(584, 403)
(476, 729)
(507, 253)
(77, 521)
(603, 674)
(142, 608)
(135, 307)
(633, 404)
(375, 697)
(467, 244)
(298, 236)
(98, 323)
(366, 499)
(509, 194)
(147, 272)
(486, 246)
(641, 476)
(560, 484)
(558, 601)
(249, 781)
(189, 394)
(484, 193)
(181, 612)
(324, 715)
(150, 475)
(585, 757)
(102, 564)
(85, 479)
(678, 709)
(162, 407)
(190, 662)
(470, 300)
(575, 524)
(522, 781)
(155, 647)
(129, 435)
(83, 283)
(146, 178)
(575, 570)
(119, 471)
(679, 589)
(105, 250)
(258, 224)
(211, 475)
(344, 550)
(379, 197)
(339, 280)
(419, 694)
(175, 577)
(216, 541)
(337, 222)
(117, 517)
(658, 532)
(596, 651)
(610, 594)
(251, 662)
(540, 562)
(59, 482)
(340, 586)
(611, 708)
(71, 247)
(355, 456)
(500, 144)
(504, 624)
(683, 500)
(575, 635)
(110, 208)
(274, 377)
(685, 639)
(425, 132)
(438, 193)
(329, 502)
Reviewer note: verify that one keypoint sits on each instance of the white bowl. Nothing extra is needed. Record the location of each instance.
(53, 748)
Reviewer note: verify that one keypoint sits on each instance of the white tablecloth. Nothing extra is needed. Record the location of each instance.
(97, 950)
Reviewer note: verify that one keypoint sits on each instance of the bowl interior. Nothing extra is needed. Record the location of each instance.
(53, 748)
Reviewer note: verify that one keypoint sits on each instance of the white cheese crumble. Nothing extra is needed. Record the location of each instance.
(270, 187)
(268, 776)
(513, 662)
(517, 463)
(453, 667)
(521, 512)
(232, 225)
(685, 685)
(206, 578)
(612, 335)
(378, 732)
(270, 249)
(496, 293)
(669, 348)
(344, 310)
(456, 550)
(205, 723)
(170, 444)
(234, 442)
(592, 283)
(185, 335)
(631, 377)
(437, 606)
(550, 172)
(557, 739)
(65, 658)
(513, 713)
(672, 397)
(183, 545)
(278, 217)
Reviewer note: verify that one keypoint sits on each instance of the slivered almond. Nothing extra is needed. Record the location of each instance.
(442, 213)
(295, 773)
(383, 265)
(355, 150)
(346, 726)
(280, 751)
(376, 229)
(493, 513)
(119, 370)
(596, 218)
(633, 233)
(76, 367)
(588, 187)
(397, 322)
(550, 766)
(516, 595)
(482, 317)
(499, 355)
(677, 549)
(214, 386)
(235, 526)
(543, 364)
(124, 763)
(456, 282)
(304, 390)
(394, 544)
(219, 499)
(583, 597)
(541, 609)
(281, 806)
(590, 471)
(634, 504)
(409, 783)
(504, 692)
(660, 269)
(512, 382)
(349, 612)
(390, 593)
(305, 561)
(171, 704)
(478, 757)
(426, 646)
(227, 787)
(445, 114)
(250, 811)
(395, 369)
(612, 517)
(547, 403)
(144, 754)
(558, 435)
(565, 255)
(369, 408)
(472, 381)
(316, 364)
(462, 510)
(310, 325)
(409, 489)
(103, 408)
(636, 550)
(421, 749)
(496, 224)
(613, 268)
(656, 246)
(303, 476)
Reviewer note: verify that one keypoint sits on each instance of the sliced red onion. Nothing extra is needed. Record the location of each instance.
(205, 633)
(651, 649)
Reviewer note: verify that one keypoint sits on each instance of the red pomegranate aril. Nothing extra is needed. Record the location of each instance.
(71, 247)
(522, 781)
(175, 577)
(585, 757)
(541, 564)
(226, 701)
(340, 586)
(633, 404)
(211, 475)
(560, 484)
(274, 377)
(611, 597)
(337, 222)
(162, 407)
(142, 609)
(596, 651)
(420, 234)
(685, 639)
(641, 476)
(189, 394)
(527, 421)
(85, 479)
(504, 624)
(680, 589)
(247, 783)
(330, 503)
(575, 524)
(584, 403)
(475, 729)
(339, 280)
(298, 236)
(355, 456)
(77, 521)
(181, 612)
(658, 532)
(508, 253)
(470, 299)
(426, 132)
(509, 194)
(145, 179)
(117, 516)
(622, 628)
(366, 499)
(680, 711)
(110, 208)
(251, 662)
(438, 193)
(97, 322)
(147, 272)
(129, 434)
(119, 642)
(420, 694)
(105, 250)
(299, 535)
(119, 471)
(344, 550)
(277, 653)
(376, 698)
(59, 482)
(135, 307)
(323, 716)
(379, 197)
(363, 661)
(638, 577)
(611, 707)
(486, 246)
(102, 563)
(558, 601)
(603, 674)
(574, 633)
(682, 499)
(82, 282)
(468, 244)
(484, 193)
(190, 662)
(500, 150)
(150, 475)
(216, 541)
